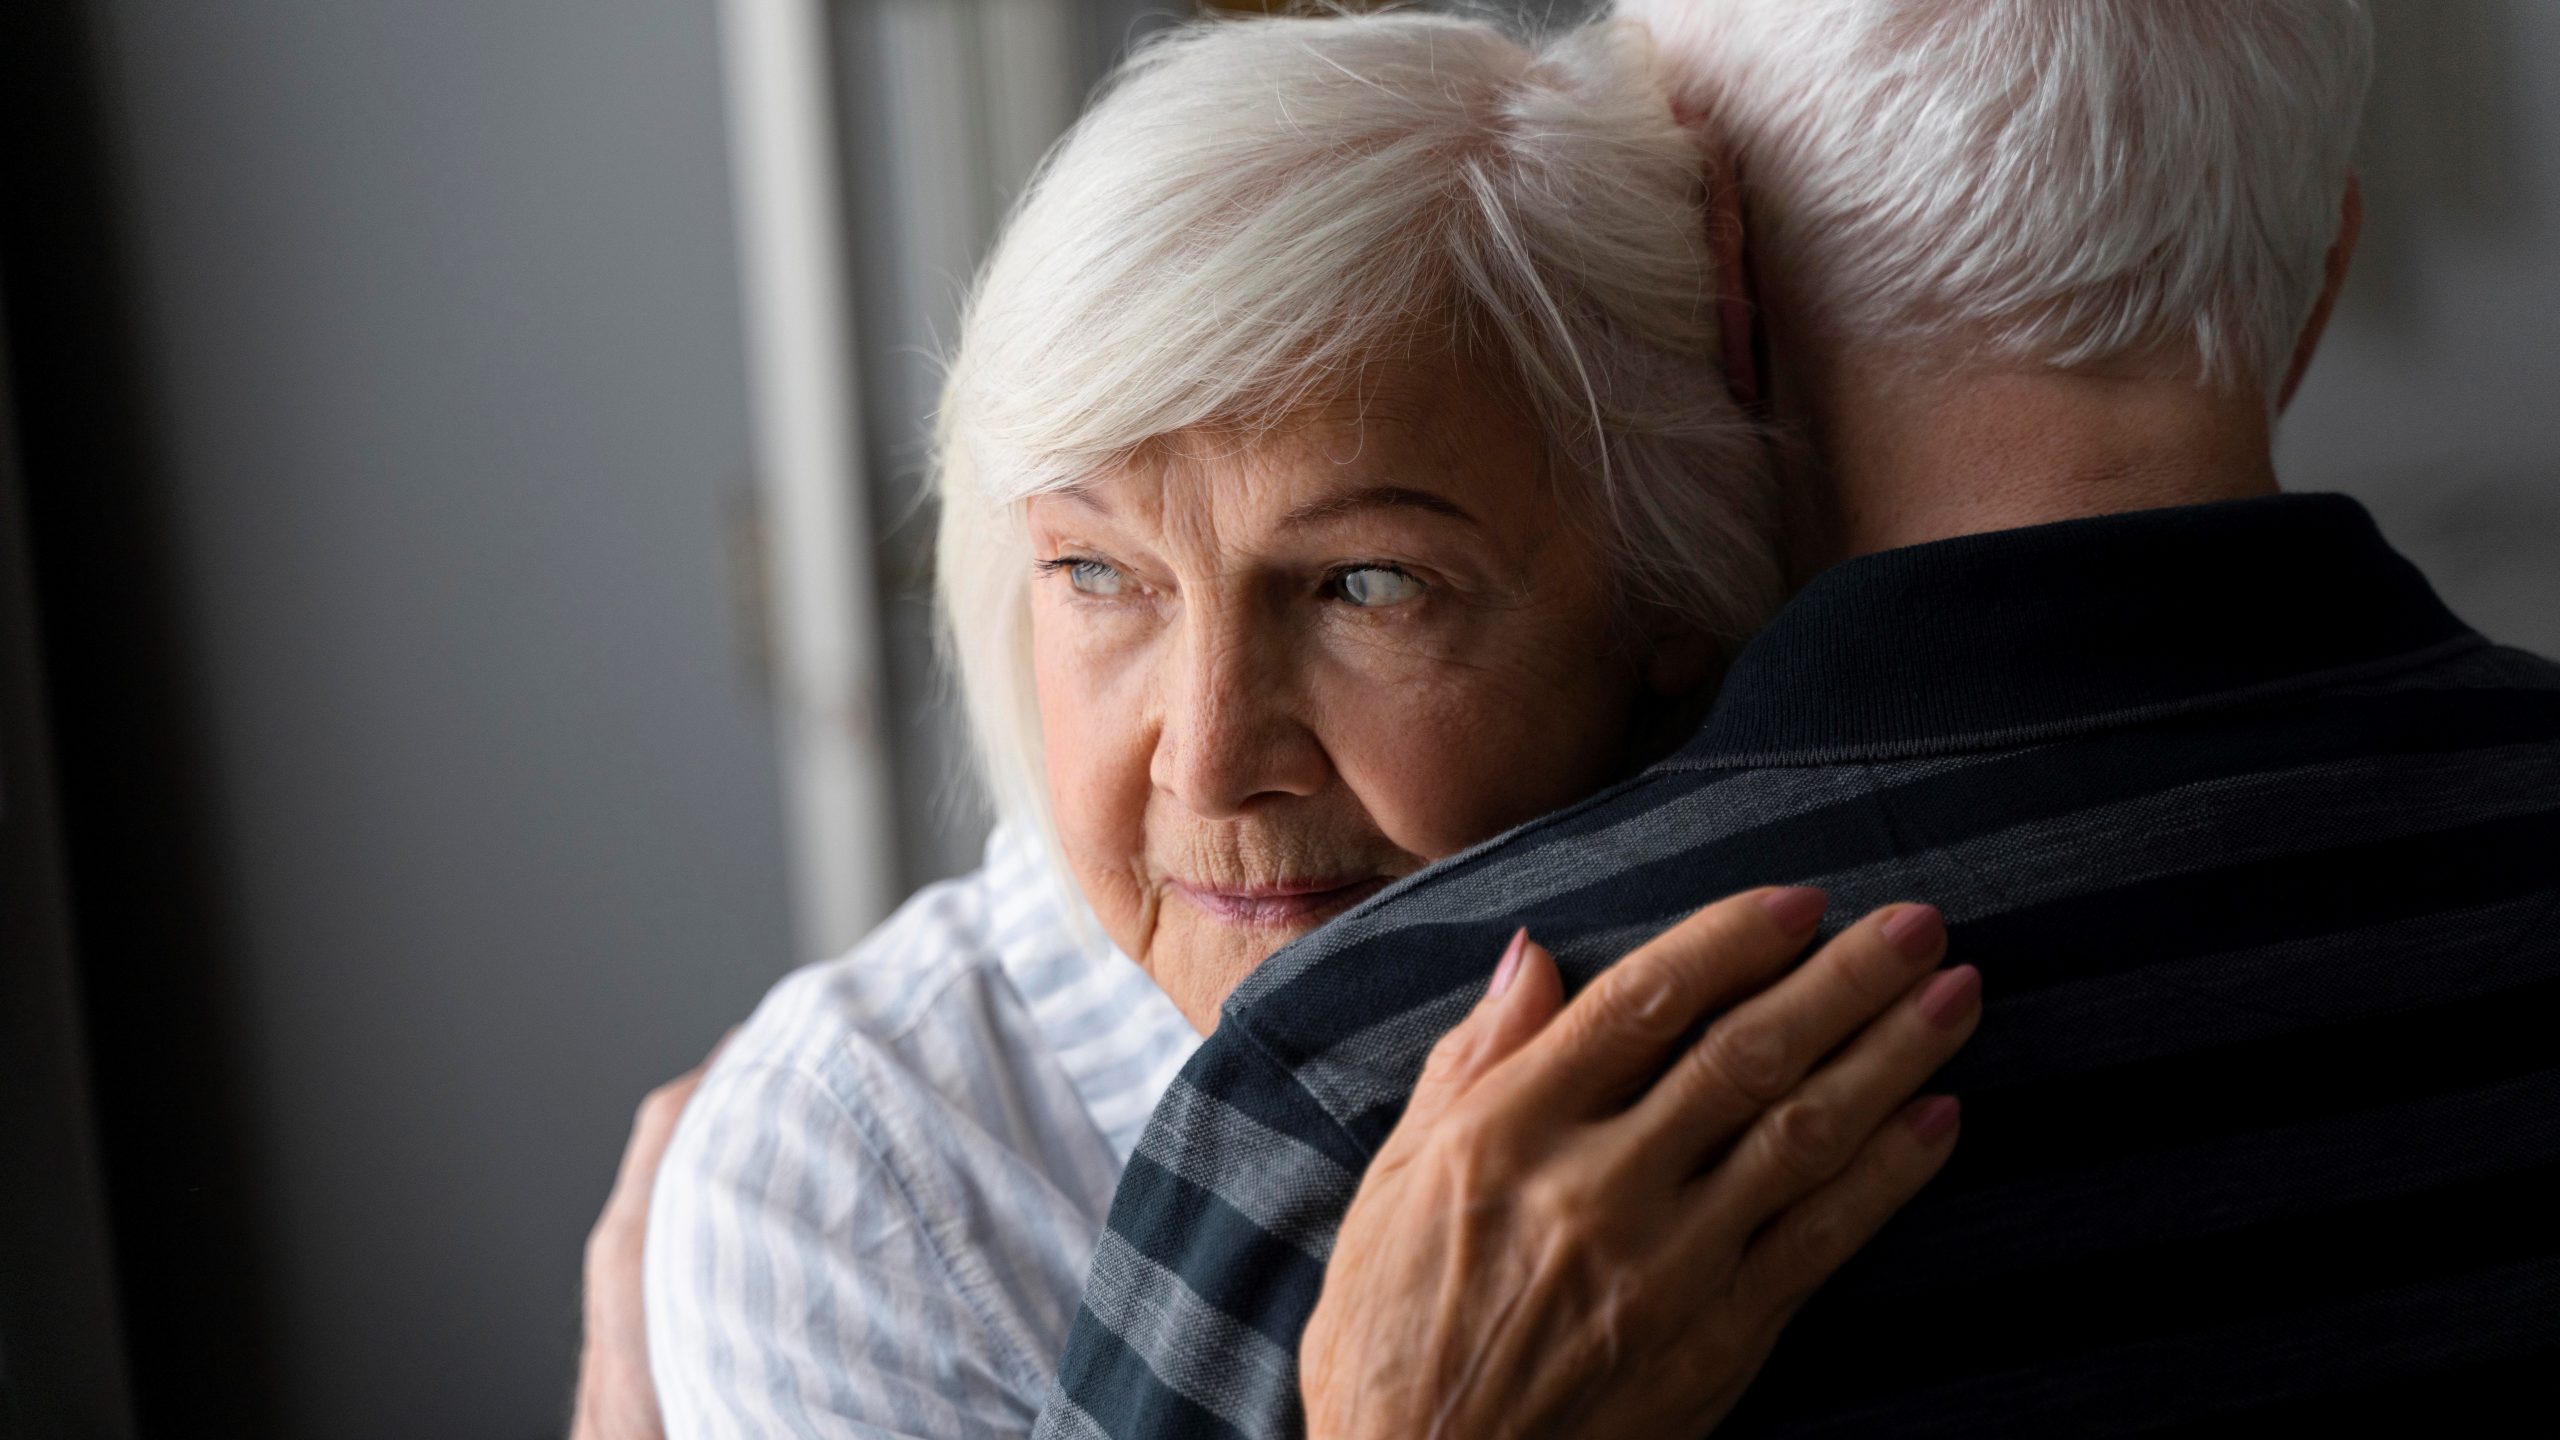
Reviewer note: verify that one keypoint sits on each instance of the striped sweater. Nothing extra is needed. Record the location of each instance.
(2258, 850)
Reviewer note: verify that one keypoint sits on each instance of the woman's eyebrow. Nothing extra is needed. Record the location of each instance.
(1377, 497)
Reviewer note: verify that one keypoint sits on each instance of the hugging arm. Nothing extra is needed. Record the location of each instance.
(791, 1288)
(616, 1399)
(1581, 1227)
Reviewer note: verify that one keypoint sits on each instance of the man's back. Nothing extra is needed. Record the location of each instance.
(2266, 1118)
(2258, 851)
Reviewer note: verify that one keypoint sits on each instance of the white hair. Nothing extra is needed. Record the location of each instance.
(1255, 208)
(2072, 181)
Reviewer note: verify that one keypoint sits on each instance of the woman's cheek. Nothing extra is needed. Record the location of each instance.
(1447, 748)
(1426, 749)
(1095, 739)
(1087, 659)
(1091, 719)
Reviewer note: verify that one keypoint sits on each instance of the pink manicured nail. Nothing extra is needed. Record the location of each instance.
(1510, 965)
(1916, 930)
(1797, 909)
(1934, 1117)
(1946, 999)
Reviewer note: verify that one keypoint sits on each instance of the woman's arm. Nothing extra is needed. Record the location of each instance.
(1509, 1198)
(794, 1287)
(616, 1400)
(1583, 1228)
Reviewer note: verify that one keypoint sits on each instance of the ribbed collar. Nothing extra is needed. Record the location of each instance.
(2021, 635)
(1113, 1031)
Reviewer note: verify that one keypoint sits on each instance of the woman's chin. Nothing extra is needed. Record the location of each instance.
(1204, 944)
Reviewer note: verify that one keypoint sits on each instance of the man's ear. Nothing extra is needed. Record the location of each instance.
(1737, 314)
(2341, 252)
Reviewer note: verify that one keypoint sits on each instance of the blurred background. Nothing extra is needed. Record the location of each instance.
(462, 609)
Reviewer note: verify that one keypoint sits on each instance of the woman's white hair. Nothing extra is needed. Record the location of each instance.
(2074, 180)
(1254, 209)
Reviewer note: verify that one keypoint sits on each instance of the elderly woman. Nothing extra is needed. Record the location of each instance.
(1335, 471)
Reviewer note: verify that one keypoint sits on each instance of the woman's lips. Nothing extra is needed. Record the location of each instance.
(1279, 907)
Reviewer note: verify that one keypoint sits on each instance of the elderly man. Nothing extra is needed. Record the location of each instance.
(2253, 842)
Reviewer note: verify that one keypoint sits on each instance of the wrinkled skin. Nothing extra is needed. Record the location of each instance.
(1554, 1243)
(1278, 671)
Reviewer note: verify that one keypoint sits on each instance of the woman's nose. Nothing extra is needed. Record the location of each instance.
(1230, 735)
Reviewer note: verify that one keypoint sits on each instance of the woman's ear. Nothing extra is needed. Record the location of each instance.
(1680, 658)
(1737, 314)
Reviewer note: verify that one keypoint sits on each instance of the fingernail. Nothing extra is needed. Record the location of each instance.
(1946, 999)
(1510, 965)
(1797, 908)
(1915, 930)
(1934, 1117)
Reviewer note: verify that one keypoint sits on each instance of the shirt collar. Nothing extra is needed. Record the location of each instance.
(1113, 1031)
(2015, 636)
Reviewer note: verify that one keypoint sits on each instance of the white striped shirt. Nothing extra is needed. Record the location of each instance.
(876, 1215)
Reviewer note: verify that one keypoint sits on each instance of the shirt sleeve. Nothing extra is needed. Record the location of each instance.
(792, 1288)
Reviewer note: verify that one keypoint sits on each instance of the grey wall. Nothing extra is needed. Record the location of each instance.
(437, 337)
(61, 1351)
(2436, 399)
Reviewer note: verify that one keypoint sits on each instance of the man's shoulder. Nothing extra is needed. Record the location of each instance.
(2485, 669)
(1349, 1008)
(2486, 710)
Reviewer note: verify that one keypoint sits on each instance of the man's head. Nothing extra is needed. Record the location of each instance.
(2113, 188)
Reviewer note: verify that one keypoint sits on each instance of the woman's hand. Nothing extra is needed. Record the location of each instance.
(616, 1398)
(1580, 1229)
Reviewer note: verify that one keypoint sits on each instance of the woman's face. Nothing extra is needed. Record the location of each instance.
(1276, 675)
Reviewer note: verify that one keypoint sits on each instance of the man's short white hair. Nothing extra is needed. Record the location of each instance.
(2072, 181)
(1254, 209)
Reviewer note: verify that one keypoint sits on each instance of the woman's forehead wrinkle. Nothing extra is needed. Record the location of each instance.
(1277, 481)
(1406, 423)
(1080, 493)
(1376, 497)
(1129, 489)
(1408, 438)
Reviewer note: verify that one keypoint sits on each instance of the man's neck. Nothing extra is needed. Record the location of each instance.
(1908, 460)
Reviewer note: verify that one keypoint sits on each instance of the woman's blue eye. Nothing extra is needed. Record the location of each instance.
(1375, 586)
(1092, 577)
